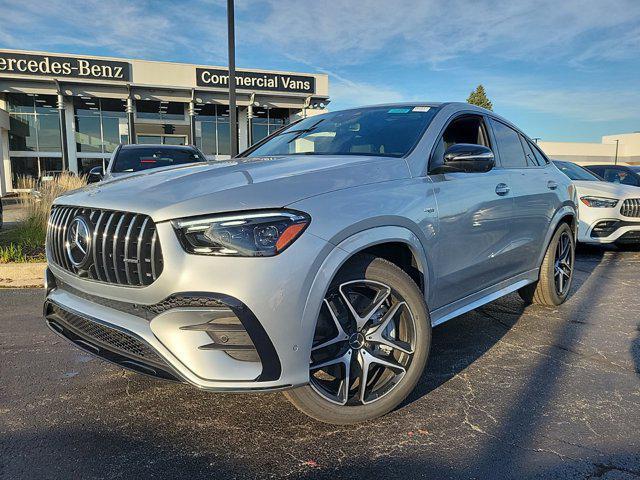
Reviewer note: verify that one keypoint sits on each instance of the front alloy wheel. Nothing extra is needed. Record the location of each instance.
(364, 343)
(370, 344)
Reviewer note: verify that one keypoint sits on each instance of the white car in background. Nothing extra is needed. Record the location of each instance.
(608, 212)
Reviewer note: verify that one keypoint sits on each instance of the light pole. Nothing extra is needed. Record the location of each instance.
(233, 114)
(615, 161)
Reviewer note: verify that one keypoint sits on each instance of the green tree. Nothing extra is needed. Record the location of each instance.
(479, 97)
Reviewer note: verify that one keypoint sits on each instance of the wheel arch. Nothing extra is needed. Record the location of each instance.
(565, 214)
(379, 241)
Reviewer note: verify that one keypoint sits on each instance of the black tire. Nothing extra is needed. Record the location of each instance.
(404, 292)
(546, 291)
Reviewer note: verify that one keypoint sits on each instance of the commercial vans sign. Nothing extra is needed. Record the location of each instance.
(54, 66)
(246, 80)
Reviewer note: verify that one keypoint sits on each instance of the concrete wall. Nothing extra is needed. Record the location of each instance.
(605, 152)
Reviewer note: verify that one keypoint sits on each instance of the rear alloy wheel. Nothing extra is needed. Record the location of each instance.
(556, 271)
(370, 345)
(563, 264)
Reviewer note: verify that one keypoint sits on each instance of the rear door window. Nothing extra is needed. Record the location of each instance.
(509, 146)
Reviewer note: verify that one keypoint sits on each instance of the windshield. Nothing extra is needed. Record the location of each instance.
(136, 159)
(576, 172)
(379, 131)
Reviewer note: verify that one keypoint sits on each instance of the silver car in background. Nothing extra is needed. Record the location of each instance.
(129, 159)
(316, 262)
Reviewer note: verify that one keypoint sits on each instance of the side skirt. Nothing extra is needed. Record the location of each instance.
(475, 300)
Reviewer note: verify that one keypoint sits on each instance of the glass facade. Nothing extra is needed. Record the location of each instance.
(86, 164)
(100, 124)
(266, 121)
(34, 123)
(162, 139)
(32, 167)
(212, 129)
(157, 110)
(35, 145)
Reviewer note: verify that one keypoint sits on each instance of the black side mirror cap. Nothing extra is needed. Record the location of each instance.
(95, 174)
(467, 157)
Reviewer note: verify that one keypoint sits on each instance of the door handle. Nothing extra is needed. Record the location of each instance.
(551, 185)
(502, 189)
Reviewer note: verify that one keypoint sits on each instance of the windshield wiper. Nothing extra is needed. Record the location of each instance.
(304, 130)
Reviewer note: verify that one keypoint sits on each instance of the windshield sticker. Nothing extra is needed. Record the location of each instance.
(421, 109)
(399, 110)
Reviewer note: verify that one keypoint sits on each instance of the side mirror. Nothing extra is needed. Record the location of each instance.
(467, 157)
(95, 174)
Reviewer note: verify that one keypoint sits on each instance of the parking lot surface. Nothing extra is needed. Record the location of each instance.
(509, 392)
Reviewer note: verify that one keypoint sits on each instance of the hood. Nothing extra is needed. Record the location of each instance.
(606, 189)
(241, 184)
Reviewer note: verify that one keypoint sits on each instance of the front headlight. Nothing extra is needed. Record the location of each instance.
(599, 202)
(253, 234)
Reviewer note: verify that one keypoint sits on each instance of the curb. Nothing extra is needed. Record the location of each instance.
(22, 275)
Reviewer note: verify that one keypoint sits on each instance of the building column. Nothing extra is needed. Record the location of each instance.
(192, 122)
(243, 132)
(5, 163)
(63, 131)
(70, 131)
(252, 100)
(131, 121)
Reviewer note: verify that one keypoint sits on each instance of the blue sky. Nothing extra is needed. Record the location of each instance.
(561, 70)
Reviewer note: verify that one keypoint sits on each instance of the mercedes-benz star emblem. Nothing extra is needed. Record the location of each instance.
(78, 244)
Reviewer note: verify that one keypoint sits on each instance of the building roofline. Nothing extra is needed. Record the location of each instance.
(164, 62)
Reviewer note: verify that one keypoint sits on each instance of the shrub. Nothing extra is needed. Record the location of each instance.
(12, 253)
(25, 242)
(38, 198)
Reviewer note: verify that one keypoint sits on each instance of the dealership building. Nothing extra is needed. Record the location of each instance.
(623, 148)
(69, 112)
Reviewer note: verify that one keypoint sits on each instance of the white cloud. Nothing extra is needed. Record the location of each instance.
(583, 104)
(136, 29)
(432, 31)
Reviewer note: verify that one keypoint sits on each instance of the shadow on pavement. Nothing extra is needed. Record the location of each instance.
(100, 454)
(508, 448)
(461, 341)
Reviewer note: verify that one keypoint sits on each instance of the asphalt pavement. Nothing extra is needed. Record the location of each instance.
(509, 392)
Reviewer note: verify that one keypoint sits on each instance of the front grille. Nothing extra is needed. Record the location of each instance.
(631, 207)
(107, 336)
(125, 249)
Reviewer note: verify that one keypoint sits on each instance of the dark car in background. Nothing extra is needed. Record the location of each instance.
(129, 159)
(624, 174)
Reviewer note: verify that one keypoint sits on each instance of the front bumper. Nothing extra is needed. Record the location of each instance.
(612, 230)
(177, 317)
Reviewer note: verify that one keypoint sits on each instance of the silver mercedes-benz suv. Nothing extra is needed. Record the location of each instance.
(317, 261)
